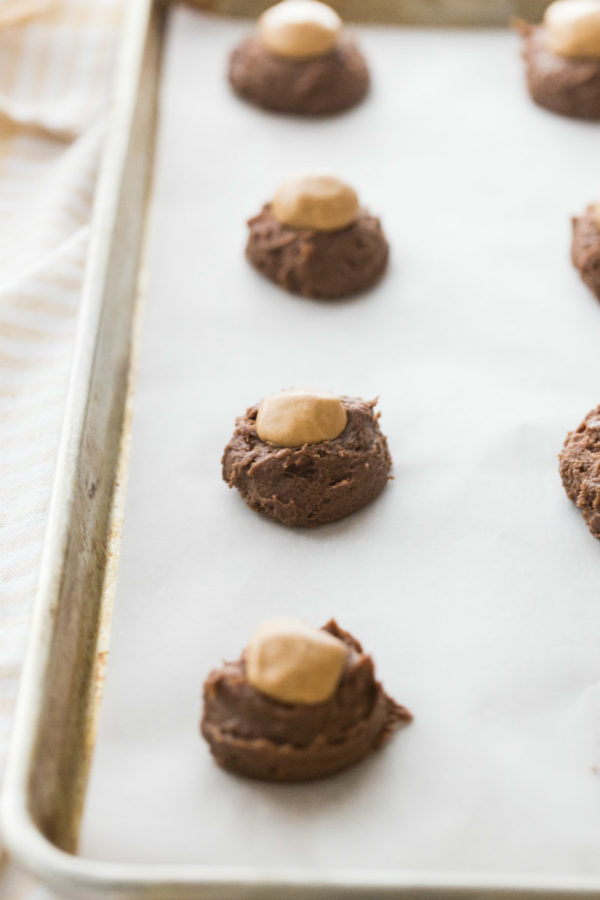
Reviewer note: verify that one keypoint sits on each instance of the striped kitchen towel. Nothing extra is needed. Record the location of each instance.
(55, 65)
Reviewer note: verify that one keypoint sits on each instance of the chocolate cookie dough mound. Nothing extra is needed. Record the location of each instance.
(253, 735)
(585, 249)
(580, 469)
(315, 483)
(320, 85)
(565, 85)
(320, 264)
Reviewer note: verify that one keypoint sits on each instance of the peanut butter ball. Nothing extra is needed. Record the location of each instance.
(300, 416)
(573, 28)
(291, 661)
(299, 29)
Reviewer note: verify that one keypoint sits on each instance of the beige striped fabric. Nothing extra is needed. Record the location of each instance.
(55, 66)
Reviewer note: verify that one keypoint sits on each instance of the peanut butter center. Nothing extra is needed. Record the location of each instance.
(300, 416)
(299, 29)
(293, 662)
(573, 28)
(319, 202)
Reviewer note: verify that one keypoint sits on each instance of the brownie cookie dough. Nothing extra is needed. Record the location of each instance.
(300, 61)
(585, 247)
(306, 457)
(580, 469)
(314, 239)
(562, 58)
(300, 704)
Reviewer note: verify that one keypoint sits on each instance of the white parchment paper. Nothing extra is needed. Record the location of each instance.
(473, 580)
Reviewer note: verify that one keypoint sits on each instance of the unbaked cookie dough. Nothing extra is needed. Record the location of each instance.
(306, 457)
(301, 703)
(314, 239)
(562, 58)
(300, 61)
(585, 247)
(580, 469)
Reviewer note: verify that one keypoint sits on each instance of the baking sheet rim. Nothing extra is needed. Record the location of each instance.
(67, 871)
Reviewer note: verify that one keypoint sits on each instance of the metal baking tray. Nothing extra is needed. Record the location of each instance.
(54, 731)
(407, 12)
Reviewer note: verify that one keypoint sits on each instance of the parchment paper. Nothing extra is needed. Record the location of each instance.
(473, 580)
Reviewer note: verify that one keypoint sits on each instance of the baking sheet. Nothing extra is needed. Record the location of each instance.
(472, 580)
